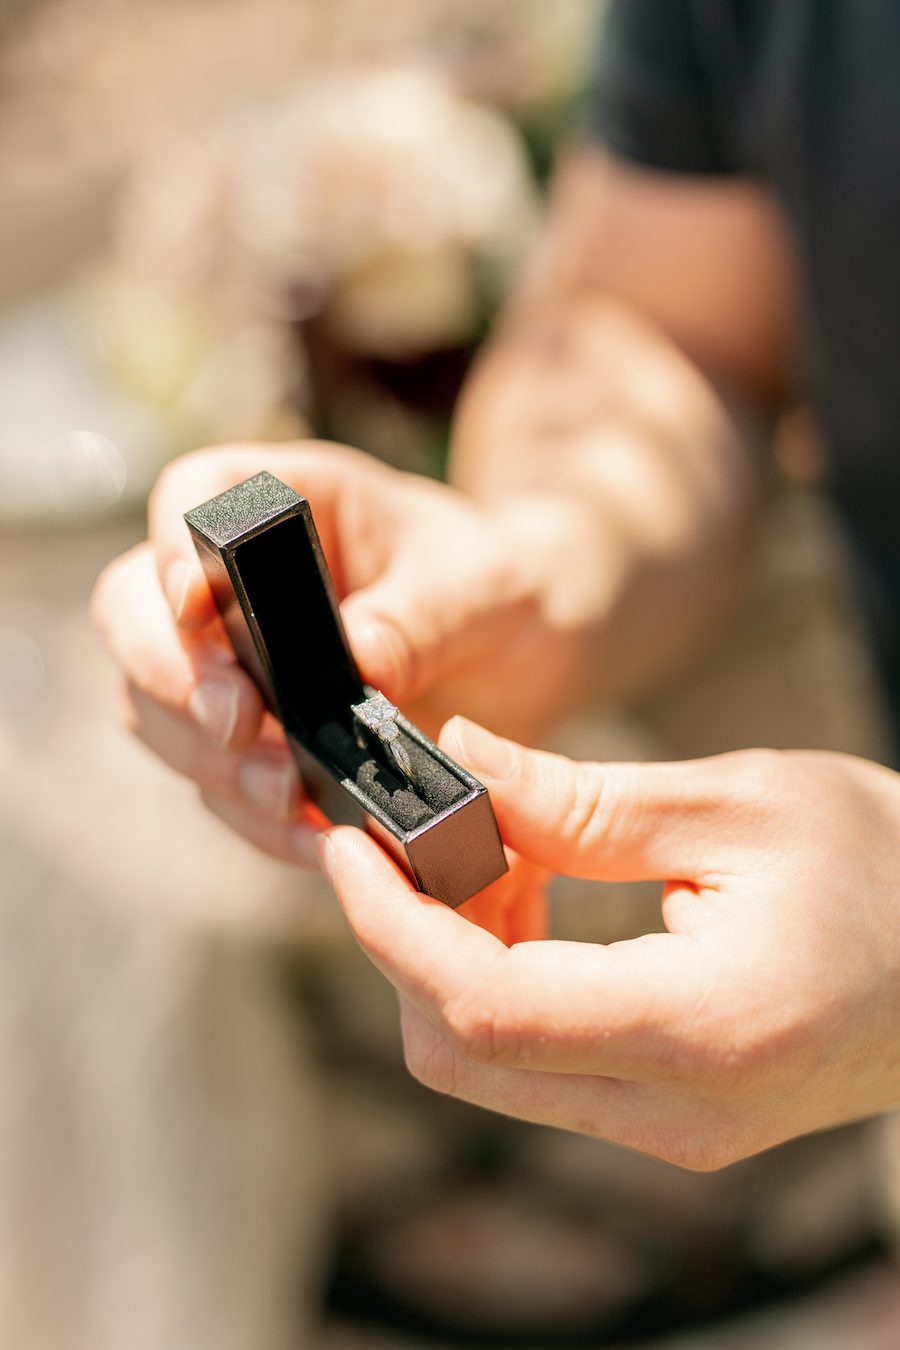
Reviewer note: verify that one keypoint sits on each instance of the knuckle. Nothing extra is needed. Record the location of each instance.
(761, 1051)
(722, 1054)
(431, 1061)
(581, 812)
(711, 1064)
(758, 778)
(704, 1047)
(473, 1028)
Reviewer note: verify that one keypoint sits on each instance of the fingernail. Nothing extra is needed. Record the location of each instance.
(268, 784)
(214, 706)
(482, 751)
(325, 855)
(177, 580)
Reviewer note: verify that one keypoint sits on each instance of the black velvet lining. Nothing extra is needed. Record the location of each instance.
(435, 789)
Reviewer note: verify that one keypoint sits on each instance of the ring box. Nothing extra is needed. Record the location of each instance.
(264, 564)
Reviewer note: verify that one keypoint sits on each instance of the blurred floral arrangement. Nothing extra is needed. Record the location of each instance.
(263, 264)
(320, 256)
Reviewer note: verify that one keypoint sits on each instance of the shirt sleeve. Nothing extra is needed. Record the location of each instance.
(658, 94)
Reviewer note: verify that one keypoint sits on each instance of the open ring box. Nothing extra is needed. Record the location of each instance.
(265, 567)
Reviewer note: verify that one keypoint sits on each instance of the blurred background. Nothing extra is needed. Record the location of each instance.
(229, 219)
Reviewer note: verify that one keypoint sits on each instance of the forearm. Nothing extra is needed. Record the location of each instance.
(640, 479)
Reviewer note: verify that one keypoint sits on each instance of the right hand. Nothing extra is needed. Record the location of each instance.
(767, 1009)
(444, 603)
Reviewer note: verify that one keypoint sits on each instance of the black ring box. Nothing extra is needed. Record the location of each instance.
(262, 558)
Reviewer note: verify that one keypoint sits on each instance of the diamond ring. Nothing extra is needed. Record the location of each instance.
(378, 715)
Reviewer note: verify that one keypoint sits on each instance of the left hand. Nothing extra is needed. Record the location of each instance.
(769, 1008)
(448, 604)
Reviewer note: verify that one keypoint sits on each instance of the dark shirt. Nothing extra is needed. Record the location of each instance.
(804, 94)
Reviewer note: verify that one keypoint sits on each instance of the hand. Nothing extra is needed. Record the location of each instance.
(770, 1007)
(444, 604)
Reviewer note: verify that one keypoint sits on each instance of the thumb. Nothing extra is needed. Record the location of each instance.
(410, 627)
(387, 639)
(614, 822)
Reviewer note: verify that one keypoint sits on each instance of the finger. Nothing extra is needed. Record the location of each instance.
(331, 477)
(350, 496)
(514, 907)
(647, 1118)
(623, 822)
(417, 623)
(624, 1010)
(192, 675)
(420, 620)
(290, 841)
(400, 612)
(264, 779)
(595, 1105)
(400, 628)
(184, 484)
